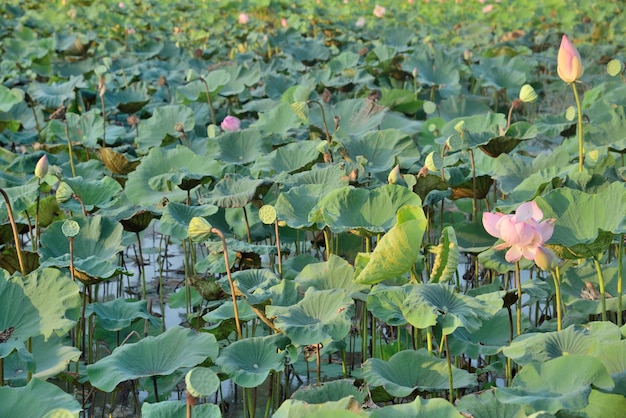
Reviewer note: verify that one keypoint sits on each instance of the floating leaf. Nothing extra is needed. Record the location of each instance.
(423, 408)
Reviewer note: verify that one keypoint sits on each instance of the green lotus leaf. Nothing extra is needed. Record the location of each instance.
(19, 318)
(225, 311)
(488, 340)
(87, 129)
(294, 265)
(201, 382)
(235, 191)
(580, 281)
(129, 100)
(363, 211)
(162, 355)
(118, 314)
(290, 158)
(240, 76)
(429, 304)
(447, 257)
(285, 293)
(162, 123)
(602, 404)
(59, 413)
(331, 176)
(435, 68)
(581, 216)
(92, 193)
(295, 205)
(242, 147)
(575, 339)
(248, 362)
(542, 386)
(253, 284)
(278, 120)
(347, 407)
(176, 218)
(21, 198)
(36, 399)
(56, 297)
(427, 373)
(174, 409)
(95, 247)
(473, 238)
(397, 251)
(385, 303)
(54, 95)
(486, 405)
(501, 73)
(613, 355)
(50, 358)
(329, 392)
(336, 273)
(381, 148)
(165, 169)
(319, 316)
(356, 116)
(9, 97)
(426, 408)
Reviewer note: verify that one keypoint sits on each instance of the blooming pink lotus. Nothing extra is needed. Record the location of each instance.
(523, 234)
(231, 123)
(569, 66)
(243, 18)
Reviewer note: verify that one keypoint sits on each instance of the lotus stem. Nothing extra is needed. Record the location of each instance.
(518, 283)
(142, 269)
(429, 340)
(230, 281)
(579, 128)
(620, 276)
(318, 361)
(328, 137)
(450, 379)
(596, 262)
(71, 244)
(280, 256)
(16, 236)
(474, 202)
(208, 100)
(557, 284)
(156, 390)
(69, 148)
(245, 217)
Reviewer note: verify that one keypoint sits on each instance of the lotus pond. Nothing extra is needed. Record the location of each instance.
(335, 209)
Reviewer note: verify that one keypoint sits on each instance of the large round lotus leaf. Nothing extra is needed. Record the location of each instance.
(336, 273)
(248, 362)
(36, 399)
(235, 191)
(162, 355)
(9, 97)
(331, 176)
(398, 250)
(434, 68)
(290, 158)
(87, 128)
(575, 339)
(356, 116)
(488, 340)
(19, 318)
(561, 383)
(295, 205)
(50, 358)
(56, 297)
(242, 147)
(129, 100)
(176, 218)
(581, 292)
(381, 148)
(161, 171)
(581, 216)
(486, 405)
(427, 373)
(225, 311)
(118, 314)
(173, 409)
(330, 391)
(347, 407)
(423, 408)
(385, 303)
(278, 120)
(363, 211)
(613, 356)
(602, 404)
(92, 193)
(21, 198)
(162, 123)
(319, 316)
(95, 247)
(438, 303)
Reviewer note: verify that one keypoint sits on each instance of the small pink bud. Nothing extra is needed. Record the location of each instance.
(243, 18)
(231, 124)
(41, 169)
(379, 11)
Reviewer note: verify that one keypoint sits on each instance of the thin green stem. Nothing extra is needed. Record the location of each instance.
(518, 283)
(596, 262)
(69, 149)
(280, 256)
(16, 236)
(450, 379)
(579, 128)
(230, 281)
(474, 199)
(620, 276)
(208, 99)
(142, 268)
(556, 276)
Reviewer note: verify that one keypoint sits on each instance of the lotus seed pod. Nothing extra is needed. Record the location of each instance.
(527, 94)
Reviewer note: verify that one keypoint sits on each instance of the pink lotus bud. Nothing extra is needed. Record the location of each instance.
(243, 18)
(379, 11)
(231, 124)
(41, 169)
(284, 23)
(569, 66)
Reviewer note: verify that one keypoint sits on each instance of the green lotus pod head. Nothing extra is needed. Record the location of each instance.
(201, 382)
(527, 94)
(199, 229)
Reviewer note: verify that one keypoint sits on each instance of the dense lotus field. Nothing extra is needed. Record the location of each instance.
(324, 208)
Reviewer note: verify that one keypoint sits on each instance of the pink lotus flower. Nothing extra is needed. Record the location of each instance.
(243, 18)
(569, 66)
(379, 11)
(522, 234)
(231, 123)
